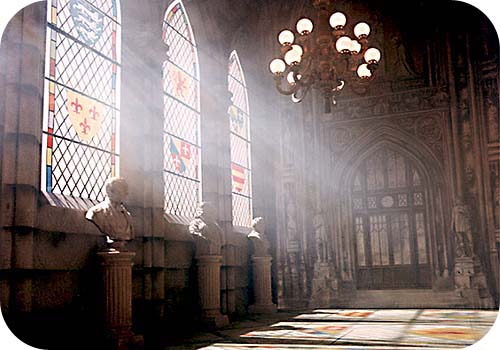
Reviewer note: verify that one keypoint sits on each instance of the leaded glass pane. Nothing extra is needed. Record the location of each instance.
(239, 123)
(80, 147)
(421, 240)
(360, 240)
(375, 172)
(242, 210)
(239, 150)
(396, 170)
(400, 233)
(181, 116)
(379, 240)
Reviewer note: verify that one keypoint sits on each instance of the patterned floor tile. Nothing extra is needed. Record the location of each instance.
(457, 316)
(443, 334)
(302, 347)
(302, 330)
(369, 333)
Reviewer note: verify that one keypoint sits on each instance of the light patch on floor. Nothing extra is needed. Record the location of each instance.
(371, 329)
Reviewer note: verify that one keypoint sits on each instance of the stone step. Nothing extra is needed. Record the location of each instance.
(400, 298)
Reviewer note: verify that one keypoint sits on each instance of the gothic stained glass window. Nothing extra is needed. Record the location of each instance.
(80, 139)
(181, 115)
(239, 119)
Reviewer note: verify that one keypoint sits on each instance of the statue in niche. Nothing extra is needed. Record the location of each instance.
(402, 61)
(321, 238)
(440, 98)
(462, 229)
(258, 238)
(497, 202)
(111, 217)
(206, 231)
(492, 113)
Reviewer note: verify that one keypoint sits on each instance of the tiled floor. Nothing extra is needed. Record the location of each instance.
(353, 329)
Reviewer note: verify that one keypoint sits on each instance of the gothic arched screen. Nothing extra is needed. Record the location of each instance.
(390, 225)
(181, 113)
(241, 169)
(80, 145)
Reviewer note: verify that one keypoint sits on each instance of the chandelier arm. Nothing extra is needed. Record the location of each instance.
(282, 91)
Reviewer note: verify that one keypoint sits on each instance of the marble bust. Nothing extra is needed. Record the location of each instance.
(258, 238)
(206, 231)
(111, 217)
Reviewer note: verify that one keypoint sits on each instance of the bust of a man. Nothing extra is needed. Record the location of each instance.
(110, 216)
(258, 238)
(206, 231)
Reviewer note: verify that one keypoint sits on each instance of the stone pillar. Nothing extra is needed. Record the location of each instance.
(471, 284)
(116, 268)
(262, 285)
(209, 290)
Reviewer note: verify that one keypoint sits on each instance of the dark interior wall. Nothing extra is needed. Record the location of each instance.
(430, 95)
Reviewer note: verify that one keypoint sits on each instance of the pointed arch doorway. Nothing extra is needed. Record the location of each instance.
(389, 208)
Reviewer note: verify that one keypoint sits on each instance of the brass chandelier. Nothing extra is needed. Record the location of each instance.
(325, 58)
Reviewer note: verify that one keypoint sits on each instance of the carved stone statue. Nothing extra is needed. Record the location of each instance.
(111, 217)
(402, 66)
(206, 231)
(461, 227)
(258, 238)
(321, 238)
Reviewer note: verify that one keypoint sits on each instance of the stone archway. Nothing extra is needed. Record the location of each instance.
(357, 221)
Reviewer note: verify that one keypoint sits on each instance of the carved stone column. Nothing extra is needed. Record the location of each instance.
(116, 268)
(209, 290)
(262, 285)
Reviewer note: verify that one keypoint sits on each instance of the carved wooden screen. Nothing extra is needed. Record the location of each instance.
(181, 113)
(241, 170)
(389, 221)
(80, 132)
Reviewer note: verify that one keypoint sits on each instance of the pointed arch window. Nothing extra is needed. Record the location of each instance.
(80, 131)
(181, 114)
(241, 169)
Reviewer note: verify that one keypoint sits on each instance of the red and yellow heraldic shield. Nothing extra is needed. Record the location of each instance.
(85, 114)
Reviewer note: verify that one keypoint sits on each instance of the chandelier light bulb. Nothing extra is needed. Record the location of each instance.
(361, 30)
(338, 20)
(291, 79)
(304, 26)
(364, 72)
(355, 47)
(343, 44)
(298, 48)
(277, 66)
(286, 37)
(372, 55)
(292, 57)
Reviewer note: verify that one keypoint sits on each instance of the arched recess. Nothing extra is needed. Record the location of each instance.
(435, 206)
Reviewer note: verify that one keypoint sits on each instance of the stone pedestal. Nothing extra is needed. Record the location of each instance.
(470, 283)
(262, 285)
(116, 270)
(209, 290)
(324, 285)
